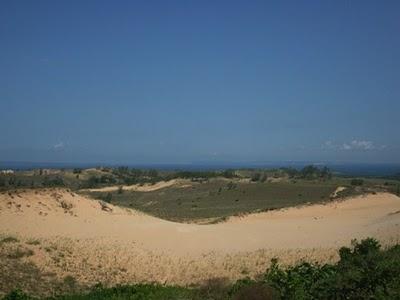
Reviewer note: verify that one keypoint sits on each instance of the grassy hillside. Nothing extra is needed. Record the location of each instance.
(219, 198)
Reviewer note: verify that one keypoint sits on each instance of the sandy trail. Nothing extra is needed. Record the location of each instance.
(151, 249)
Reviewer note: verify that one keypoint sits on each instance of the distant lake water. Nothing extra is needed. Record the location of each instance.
(353, 169)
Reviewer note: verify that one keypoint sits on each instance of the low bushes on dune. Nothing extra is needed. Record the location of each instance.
(364, 271)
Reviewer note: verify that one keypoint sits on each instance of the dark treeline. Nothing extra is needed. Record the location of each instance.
(310, 172)
(128, 176)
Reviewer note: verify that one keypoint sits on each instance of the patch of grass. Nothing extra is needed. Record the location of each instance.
(17, 275)
(9, 239)
(19, 253)
(70, 281)
(17, 295)
(65, 205)
(33, 242)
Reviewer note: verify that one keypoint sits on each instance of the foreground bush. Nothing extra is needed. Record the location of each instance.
(364, 271)
(131, 292)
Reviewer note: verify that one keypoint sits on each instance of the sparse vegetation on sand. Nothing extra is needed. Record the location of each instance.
(364, 271)
(89, 250)
(200, 195)
(218, 198)
(8, 239)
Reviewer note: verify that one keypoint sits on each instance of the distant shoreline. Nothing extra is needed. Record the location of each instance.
(349, 169)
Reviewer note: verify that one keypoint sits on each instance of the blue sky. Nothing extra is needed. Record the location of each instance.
(185, 81)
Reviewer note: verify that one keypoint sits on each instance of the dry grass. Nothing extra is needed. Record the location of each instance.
(121, 246)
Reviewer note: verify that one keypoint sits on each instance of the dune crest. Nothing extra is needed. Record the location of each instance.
(58, 212)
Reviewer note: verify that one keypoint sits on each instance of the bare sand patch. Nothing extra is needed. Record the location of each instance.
(147, 187)
(337, 191)
(97, 241)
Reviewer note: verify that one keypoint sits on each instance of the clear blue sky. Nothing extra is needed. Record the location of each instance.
(184, 81)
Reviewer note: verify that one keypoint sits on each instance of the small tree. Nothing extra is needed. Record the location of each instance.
(326, 173)
(120, 189)
(228, 173)
(77, 171)
(263, 178)
(11, 180)
(309, 172)
(255, 177)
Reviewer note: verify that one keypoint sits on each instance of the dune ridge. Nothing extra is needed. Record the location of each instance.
(147, 187)
(102, 242)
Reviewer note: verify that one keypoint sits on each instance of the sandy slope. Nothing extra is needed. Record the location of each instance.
(150, 249)
(147, 187)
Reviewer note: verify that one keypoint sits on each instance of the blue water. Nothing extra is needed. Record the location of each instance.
(353, 169)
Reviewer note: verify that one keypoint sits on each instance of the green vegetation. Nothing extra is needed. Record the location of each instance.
(8, 239)
(364, 271)
(219, 198)
(120, 190)
(99, 177)
(132, 292)
(215, 199)
(212, 195)
(20, 252)
(33, 242)
(77, 178)
(357, 181)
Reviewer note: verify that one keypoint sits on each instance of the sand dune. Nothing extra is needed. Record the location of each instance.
(150, 249)
(147, 187)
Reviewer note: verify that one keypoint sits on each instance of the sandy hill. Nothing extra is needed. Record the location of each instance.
(101, 242)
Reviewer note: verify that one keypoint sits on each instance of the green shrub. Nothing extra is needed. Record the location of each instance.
(77, 171)
(19, 253)
(2, 181)
(17, 295)
(9, 239)
(120, 190)
(313, 172)
(134, 292)
(52, 182)
(363, 272)
(70, 281)
(356, 181)
(33, 242)
(107, 198)
(255, 177)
